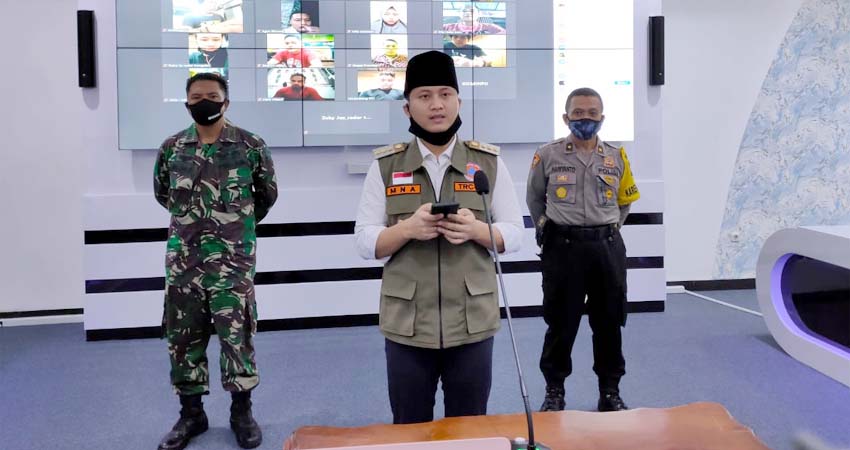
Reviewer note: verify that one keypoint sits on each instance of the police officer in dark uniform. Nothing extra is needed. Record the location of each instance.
(579, 193)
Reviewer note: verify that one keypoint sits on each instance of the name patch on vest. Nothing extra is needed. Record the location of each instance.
(404, 189)
(464, 187)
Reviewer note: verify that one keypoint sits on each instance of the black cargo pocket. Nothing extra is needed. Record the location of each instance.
(398, 310)
(182, 172)
(235, 180)
(482, 304)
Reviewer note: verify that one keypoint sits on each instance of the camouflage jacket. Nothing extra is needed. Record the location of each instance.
(216, 193)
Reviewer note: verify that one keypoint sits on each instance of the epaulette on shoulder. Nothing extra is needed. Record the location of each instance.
(252, 139)
(171, 141)
(388, 150)
(483, 147)
(557, 143)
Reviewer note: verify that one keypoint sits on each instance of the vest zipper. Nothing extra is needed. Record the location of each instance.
(439, 268)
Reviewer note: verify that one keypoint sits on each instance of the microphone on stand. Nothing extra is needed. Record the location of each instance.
(482, 187)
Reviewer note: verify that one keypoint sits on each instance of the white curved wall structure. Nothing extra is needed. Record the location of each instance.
(827, 244)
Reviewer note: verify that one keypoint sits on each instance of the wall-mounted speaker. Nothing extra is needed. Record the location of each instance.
(86, 49)
(656, 50)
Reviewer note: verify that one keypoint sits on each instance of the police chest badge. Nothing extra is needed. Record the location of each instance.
(561, 192)
(471, 168)
(608, 161)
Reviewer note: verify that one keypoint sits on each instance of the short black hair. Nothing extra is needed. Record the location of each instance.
(211, 76)
(582, 92)
(298, 74)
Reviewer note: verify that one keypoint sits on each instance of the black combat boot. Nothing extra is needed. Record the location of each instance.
(192, 422)
(554, 400)
(609, 400)
(247, 432)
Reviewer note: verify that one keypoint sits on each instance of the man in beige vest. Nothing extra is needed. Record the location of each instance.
(439, 307)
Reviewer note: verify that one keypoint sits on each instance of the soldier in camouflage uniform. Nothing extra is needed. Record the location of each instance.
(217, 181)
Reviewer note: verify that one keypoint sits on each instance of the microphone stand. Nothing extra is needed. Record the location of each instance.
(516, 444)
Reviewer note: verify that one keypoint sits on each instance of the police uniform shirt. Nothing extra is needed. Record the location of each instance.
(372, 212)
(569, 191)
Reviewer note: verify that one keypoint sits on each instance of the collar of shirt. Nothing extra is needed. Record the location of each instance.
(445, 157)
(436, 166)
(571, 146)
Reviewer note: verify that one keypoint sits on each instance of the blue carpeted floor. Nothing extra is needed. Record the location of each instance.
(59, 392)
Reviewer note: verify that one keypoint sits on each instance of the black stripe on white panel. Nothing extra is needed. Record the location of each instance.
(94, 237)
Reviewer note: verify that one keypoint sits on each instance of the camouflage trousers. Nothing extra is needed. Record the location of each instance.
(224, 295)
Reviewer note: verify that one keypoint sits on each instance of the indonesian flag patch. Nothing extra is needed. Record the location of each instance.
(402, 178)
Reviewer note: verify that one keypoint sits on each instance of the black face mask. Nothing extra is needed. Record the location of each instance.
(205, 112)
(441, 138)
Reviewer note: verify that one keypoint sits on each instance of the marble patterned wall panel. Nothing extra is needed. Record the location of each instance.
(793, 165)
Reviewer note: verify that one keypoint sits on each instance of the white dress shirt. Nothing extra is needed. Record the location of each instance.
(372, 211)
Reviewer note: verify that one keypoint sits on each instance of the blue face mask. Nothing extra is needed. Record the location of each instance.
(585, 129)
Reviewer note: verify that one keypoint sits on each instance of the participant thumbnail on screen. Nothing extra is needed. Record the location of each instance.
(471, 50)
(208, 50)
(300, 16)
(380, 85)
(474, 18)
(213, 16)
(300, 50)
(389, 17)
(307, 84)
(389, 52)
(219, 70)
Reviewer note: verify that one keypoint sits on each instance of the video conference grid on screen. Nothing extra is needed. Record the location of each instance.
(331, 72)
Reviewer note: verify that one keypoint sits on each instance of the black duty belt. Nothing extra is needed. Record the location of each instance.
(583, 233)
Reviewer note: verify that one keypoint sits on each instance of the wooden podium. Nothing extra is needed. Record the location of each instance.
(703, 425)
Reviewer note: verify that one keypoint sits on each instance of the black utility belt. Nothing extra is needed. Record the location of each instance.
(585, 233)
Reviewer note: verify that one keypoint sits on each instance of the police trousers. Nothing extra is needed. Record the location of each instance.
(196, 296)
(466, 372)
(579, 262)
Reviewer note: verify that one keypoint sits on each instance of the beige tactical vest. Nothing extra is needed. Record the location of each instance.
(435, 294)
